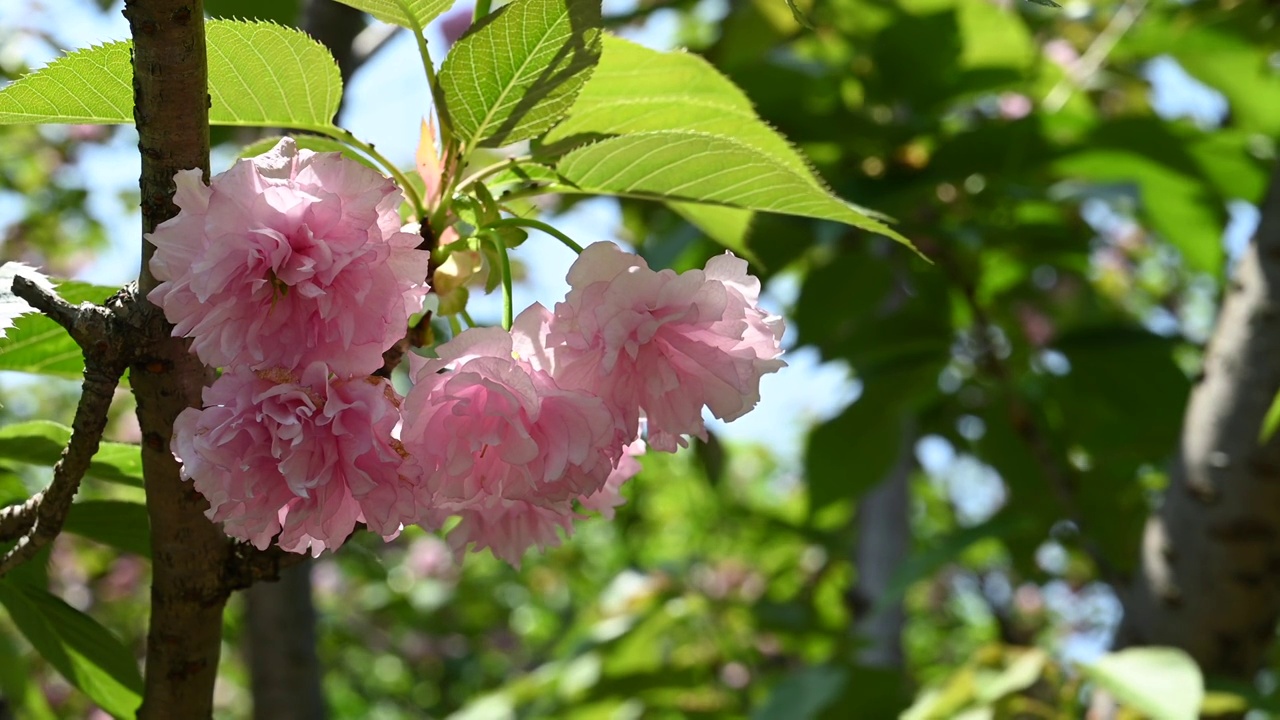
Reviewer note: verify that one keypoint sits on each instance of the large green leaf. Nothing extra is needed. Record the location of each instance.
(121, 524)
(84, 652)
(1162, 683)
(262, 74)
(93, 85)
(405, 13)
(40, 442)
(516, 73)
(690, 166)
(636, 89)
(38, 345)
(726, 225)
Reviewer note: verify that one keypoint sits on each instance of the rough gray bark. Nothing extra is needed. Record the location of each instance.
(883, 537)
(1210, 568)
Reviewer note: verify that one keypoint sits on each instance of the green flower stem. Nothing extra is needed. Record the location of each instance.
(538, 225)
(410, 191)
(493, 169)
(482, 9)
(508, 308)
(446, 133)
(466, 317)
(454, 325)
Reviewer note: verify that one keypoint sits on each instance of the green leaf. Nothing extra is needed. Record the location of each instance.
(516, 73)
(412, 14)
(121, 524)
(38, 345)
(803, 694)
(1019, 675)
(90, 86)
(636, 90)
(689, 166)
(725, 225)
(84, 652)
(261, 74)
(1271, 421)
(1163, 683)
(40, 442)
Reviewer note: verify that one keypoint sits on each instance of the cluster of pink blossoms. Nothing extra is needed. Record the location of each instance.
(291, 273)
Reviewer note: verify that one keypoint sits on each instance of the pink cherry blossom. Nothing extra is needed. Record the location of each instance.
(509, 528)
(481, 424)
(286, 259)
(662, 344)
(609, 497)
(307, 457)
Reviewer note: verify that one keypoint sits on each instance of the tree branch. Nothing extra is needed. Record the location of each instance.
(36, 522)
(189, 553)
(1210, 556)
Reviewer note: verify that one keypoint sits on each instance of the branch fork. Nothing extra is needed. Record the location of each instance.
(97, 330)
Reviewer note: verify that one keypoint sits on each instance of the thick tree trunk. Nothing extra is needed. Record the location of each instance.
(1210, 569)
(883, 537)
(189, 554)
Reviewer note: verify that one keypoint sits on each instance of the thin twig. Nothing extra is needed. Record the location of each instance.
(36, 522)
(1084, 68)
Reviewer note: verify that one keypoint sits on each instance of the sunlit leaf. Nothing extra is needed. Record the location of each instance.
(1162, 683)
(516, 73)
(262, 74)
(637, 89)
(727, 226)
(93, 85)
(689, 166)
(405, 13)
(1271, 421)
